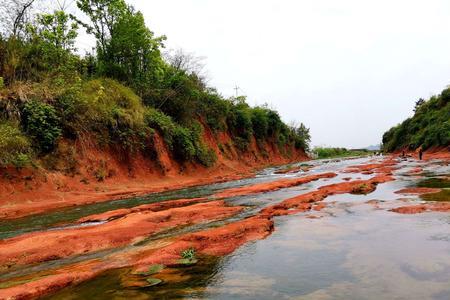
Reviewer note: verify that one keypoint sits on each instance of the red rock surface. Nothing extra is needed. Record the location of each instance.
(385, 167)
(271, 186)
(159, 206)
(293, 170)
(421, 208)
(304, 202)
(51, 245)
(418, 191)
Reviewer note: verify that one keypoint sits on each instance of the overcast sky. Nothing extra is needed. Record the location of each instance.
(348, 69)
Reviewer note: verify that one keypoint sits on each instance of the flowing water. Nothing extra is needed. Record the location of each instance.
(353, 249)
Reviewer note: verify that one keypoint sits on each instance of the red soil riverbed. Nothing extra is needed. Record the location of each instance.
(130, 225)
(127, 226)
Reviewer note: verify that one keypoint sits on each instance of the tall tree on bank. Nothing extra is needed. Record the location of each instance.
(127, 50)
(103, 14)
(54, 37)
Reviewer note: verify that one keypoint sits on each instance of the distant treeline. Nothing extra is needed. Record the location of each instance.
(429, 127)
(329, 152)
(120, 94)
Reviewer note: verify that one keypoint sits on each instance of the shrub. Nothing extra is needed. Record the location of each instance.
(21, 160)
(107, 108)
(241, 144)
(15, 148)
(161, 122)
(183, 145)
(240, 124)
(260, 123)
(42, 123)
(206, 157)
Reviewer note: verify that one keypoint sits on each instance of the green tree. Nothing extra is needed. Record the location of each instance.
(133, 53)
(127, 50)
(103, 15)
(303, 136)
(56, 34)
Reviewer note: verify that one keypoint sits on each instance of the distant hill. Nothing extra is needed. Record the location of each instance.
(373, 147)
(429, 127)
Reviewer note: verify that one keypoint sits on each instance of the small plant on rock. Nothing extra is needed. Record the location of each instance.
(188, 254)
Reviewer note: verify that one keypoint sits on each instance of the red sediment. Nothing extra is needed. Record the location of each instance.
(271, 186)
(418, 191)
(224, 240)
(45, 285)
(303, 202)
(159, 206)
(319, 206)
(385, 167)
(357, 186)
(217, 242)
(421, 208)
(415, 171)
(293, 170)
(51, 245)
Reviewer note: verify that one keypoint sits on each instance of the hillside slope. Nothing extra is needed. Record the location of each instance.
(429, 127)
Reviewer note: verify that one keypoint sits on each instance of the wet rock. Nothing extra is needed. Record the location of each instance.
(421, 208)
(418, 191)
(271, 186)
(51, 245)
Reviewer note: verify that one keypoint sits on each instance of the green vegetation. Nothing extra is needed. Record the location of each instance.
(429, 127)
(187, 258)
(188, 254)
(15, 148)
(42, 124)
(324, 152)
(118, 98)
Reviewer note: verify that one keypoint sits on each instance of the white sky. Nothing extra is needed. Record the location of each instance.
(348, 69)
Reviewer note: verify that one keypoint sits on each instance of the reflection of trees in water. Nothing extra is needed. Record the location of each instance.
(177, 283)
(194, 280)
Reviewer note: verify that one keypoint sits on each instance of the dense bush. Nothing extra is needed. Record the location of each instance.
(430, 126)
(161, 122)
(260, 123)
(239, 122)
(15, 148)
(42, 124)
